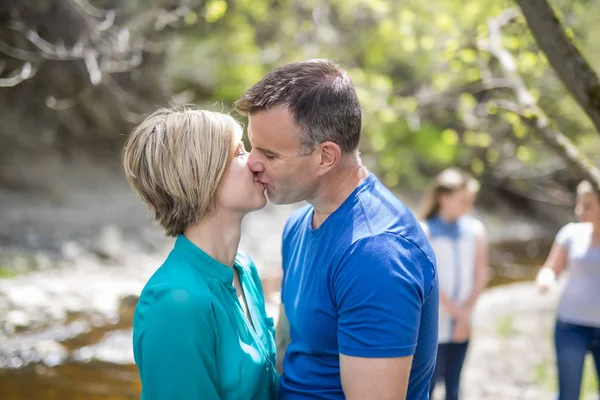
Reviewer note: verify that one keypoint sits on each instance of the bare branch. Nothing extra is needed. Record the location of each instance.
(489, 84)
(554, 139)
(504, 57)
(45, 47)
(90, 9)
(526, 106)
(47, 50)
(122, 65)
(19, 54)
(567, 60)
(91, 63)
(27, 71)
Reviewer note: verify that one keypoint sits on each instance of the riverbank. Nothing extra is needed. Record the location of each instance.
(90, 355)
(78, 259)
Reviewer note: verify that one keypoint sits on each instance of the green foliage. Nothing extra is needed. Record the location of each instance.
(423, 77)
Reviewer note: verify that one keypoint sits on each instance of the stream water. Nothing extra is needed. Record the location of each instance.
(90, 357)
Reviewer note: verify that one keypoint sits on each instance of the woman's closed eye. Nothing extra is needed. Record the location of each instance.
(240, 151)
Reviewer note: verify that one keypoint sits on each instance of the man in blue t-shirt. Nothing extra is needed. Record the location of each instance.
(359, 291)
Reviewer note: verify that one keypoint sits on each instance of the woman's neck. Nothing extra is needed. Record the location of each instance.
(444, 216)
(218, 235)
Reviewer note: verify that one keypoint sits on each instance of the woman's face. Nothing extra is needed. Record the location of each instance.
(587, 208)
(454, 205)
(240, 191)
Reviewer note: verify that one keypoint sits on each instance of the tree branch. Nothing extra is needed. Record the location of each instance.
(527, 108)
(568, 62)
(27, 71)
(554, 139)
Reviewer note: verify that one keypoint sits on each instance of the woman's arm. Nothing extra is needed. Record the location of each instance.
(481, 268)
(176, 349)
(557, 260)
(555, 264)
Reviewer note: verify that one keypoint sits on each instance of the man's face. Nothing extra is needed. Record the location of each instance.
(286, 176)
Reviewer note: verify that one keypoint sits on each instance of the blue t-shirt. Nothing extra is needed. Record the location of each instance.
(363, 284)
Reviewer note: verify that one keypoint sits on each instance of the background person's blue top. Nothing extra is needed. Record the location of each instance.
(191, 339)
(363, 284)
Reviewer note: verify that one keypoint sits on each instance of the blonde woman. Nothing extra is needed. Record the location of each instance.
(577, 331)
(461, 250)
(200, 330)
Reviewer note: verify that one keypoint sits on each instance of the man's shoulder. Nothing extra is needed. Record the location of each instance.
(383, 210)
(295, 220)
(384, 217)
(391, 245)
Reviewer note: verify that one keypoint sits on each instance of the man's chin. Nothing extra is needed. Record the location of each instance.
(278, 201)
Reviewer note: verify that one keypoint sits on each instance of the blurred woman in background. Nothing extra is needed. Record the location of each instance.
(461, 249)
(577, 330)
(200, 329)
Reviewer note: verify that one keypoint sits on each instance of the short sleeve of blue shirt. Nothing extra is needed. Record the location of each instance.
(369, 322)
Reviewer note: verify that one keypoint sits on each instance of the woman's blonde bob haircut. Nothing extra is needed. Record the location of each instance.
(175, 160)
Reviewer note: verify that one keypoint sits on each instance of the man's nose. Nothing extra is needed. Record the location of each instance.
(254, 162)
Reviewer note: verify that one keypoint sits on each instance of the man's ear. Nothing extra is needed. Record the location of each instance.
(330, 155)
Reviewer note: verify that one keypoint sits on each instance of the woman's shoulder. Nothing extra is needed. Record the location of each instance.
(574, 230)
(473, 224)
(165, 295)
(172, 287)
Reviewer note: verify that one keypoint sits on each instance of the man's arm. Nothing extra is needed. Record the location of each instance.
(375, 378)
(282, 338)
(379, 289)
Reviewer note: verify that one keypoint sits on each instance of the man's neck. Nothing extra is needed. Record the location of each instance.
(218, 235)
(335, 190)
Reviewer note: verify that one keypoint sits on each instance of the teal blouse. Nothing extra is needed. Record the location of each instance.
(191, 338)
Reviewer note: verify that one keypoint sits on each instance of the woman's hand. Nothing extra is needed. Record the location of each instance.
(554, 265)
(462, 330)
(545, 280)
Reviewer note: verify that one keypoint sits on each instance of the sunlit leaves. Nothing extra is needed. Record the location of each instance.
(524, 154)
(449, 137)
(477, 166)
(215, 10)
(420, 75)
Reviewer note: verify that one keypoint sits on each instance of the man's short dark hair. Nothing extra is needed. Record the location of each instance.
(320, 97)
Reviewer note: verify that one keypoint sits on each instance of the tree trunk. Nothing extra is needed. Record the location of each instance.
(569, 63)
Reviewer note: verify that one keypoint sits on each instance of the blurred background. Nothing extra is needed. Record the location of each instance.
(442, 83)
